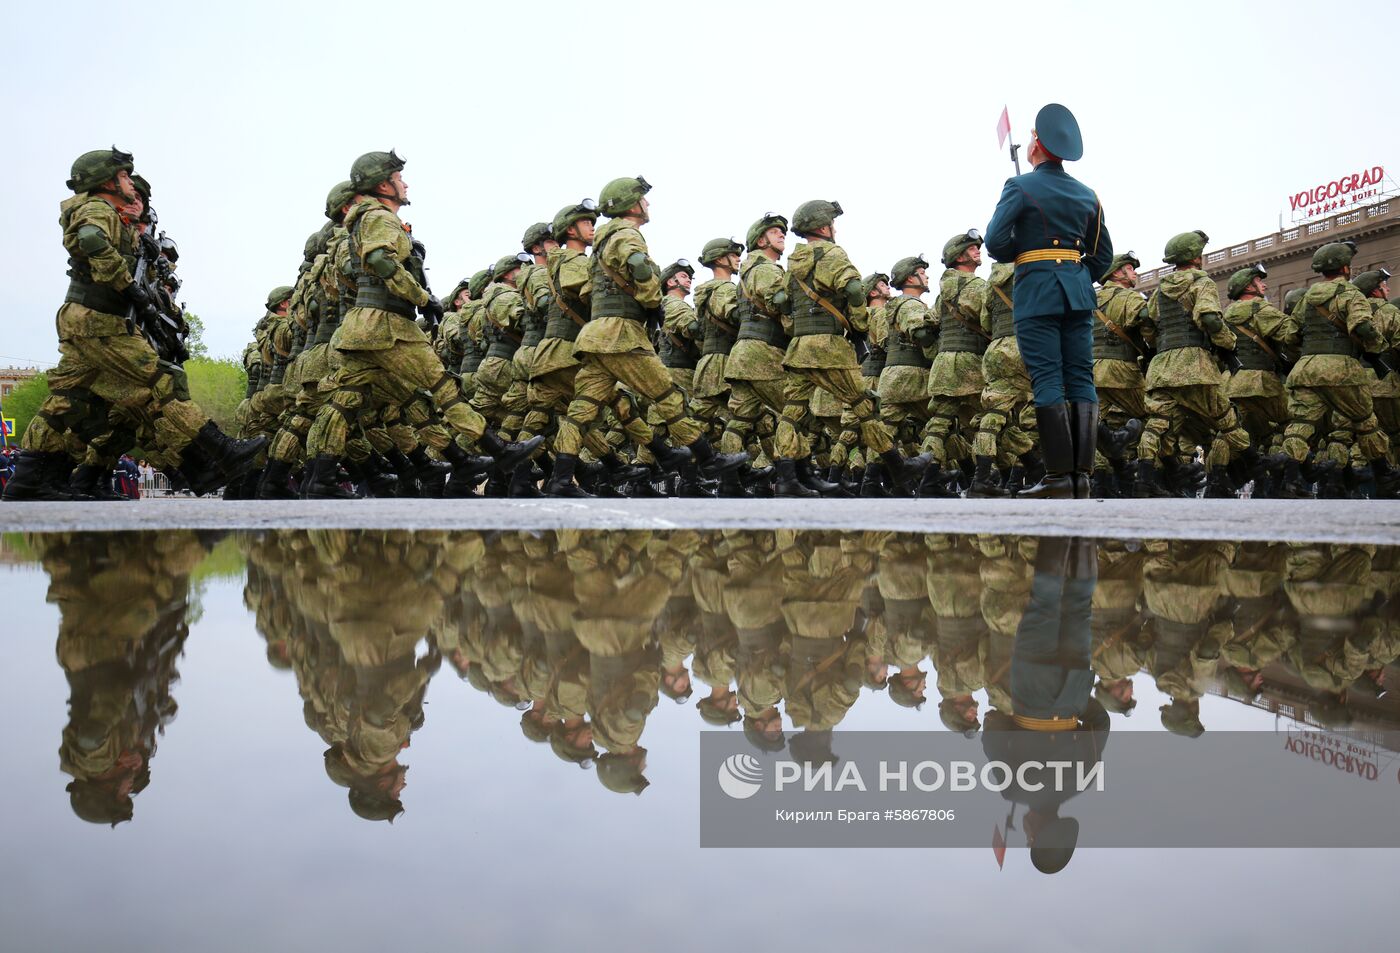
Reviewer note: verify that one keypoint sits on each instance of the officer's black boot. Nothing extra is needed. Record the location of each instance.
(1103, 485)
(1084, 427)
(807, 474)
(711, 464)
(1057, 443)
(41, 477)
(561, 481)
(787, 484)
(508, 455)
(872, 486)
(1292, 485)
(94, 482)
(1219, 486)
(905, 475)
(668, 457)
(322, 480)
(275, 483)
(1149, 482)
(985, 483)
(234, 457)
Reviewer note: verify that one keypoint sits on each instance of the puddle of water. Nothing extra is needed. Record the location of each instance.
(235, 716)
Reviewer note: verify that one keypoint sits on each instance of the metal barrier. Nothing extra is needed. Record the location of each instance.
(158, 484)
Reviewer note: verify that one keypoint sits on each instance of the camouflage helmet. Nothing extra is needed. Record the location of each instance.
(756, 230)
(508, 263)
(1243, 278)
(373, 168)
(1127, 258)
(619, 195)
(904, 270)
(457, 289)
(478, 283)
(91, 169)
(955, 246)
(716, 713)
(570, 214)
(1290, 300)
(869, 282)
(1333, 257)
(1185, 247)
(818, 213)
(143, 188)
(536, 234)
(315, 244)
(1368, 281)
(675, 268)
(337, 198)
(277, 295)
(717, 248)
(622, 773)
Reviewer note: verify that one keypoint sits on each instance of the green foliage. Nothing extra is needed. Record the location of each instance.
(195, 345)
(24, 400)
(217, 386)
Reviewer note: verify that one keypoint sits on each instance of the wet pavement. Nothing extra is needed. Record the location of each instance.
(356, 739)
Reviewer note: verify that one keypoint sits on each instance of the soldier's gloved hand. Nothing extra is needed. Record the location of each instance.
(140, 296)
(924, 336)
(432, 309)
(419, 250)
(855, 292)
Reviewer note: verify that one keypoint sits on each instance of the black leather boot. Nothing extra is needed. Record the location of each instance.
(714, 465)
(937, 484)
(812, 480)
(275, 483)
(1103, 485)
(508, 455)
(94, 482)
(872, 486)
(669, 457)
(234, 457)
(467, 471)
(1150, 483)
(432, 474)
(323, 480)
(906, 473)
(522, 483)
(41, 477)
(1084, 428)
(985, 484)
(1057, 443)
(1219, 486)
(786, 483)
(1292, 485)
(561, 481)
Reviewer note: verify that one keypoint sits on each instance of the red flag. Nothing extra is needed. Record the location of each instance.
(1003, 127)
(998, 845)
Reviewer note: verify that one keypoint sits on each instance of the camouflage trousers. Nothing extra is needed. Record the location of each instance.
(497, 398)
(289, 443)
(373, 381)
(1007, 426)
(754, 408)
(1118, 405)
(847, 386)
(595, 388)
(951, 421)
(1200, 411)
(1263, 418)
(549, 398)
(96, 373)
(684, 379)
(1388, 415)
(1339, 423)
(712, 412)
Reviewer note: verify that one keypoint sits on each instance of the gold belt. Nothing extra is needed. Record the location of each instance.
(1048, 254)
(1045, 724)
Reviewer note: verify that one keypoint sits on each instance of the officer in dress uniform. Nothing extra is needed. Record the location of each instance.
(1052, 226)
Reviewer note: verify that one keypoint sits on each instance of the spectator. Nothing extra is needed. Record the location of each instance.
(128, 478)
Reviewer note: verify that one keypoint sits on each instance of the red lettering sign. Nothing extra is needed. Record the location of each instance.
(1322, 197)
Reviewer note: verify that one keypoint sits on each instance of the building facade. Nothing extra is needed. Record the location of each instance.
(1287, 254)
(12, 377)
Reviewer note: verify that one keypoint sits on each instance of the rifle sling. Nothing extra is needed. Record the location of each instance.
(1098, 313)
(563, 305)
(826, 306)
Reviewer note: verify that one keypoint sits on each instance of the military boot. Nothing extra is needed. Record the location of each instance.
(1387, 480)
(1292, 484)
(1219, 486)
(359, 478)
(234, 457)
(383, 482)
(645, 488)
(1330, 480)
(41, 477)
(1104, 485)
(1150, 483)
(619, 472)
(731, 487)
(787, 484)
(668, 457)
(1015, 480)
(508, 456)
(691, 486)
(852, 480)
(1124, 475)
(872, 486)
(906, 474)
(431, 474)
(713, 464)
(835, 475)
(561, 481)
(1057, 443)
(276, 481)
(985, 484)
(408, 488)
(1084, 427)
(935, 484)
(94, 482)
(322, 480)
(522, 483)
(812, 480)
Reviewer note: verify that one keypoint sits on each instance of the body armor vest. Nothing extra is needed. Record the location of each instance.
(83, 290)
(558, 324)
(533, 330)
(808, 316)
(1003, 318)
(371, 291)
(900, 349)
(1321, 336)
(683, 354)
(875, 357)
(1107, 345)
(1251, 356)
(610, 299)
(953, 333)
(473, 352)
(500, 342)
(1175, 329)
(718, 339)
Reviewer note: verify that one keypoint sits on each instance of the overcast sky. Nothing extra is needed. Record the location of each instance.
(1201, 115)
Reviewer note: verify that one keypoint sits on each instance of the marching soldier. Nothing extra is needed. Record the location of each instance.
(1052, 226)
(912, 331)
(1385, 392)
(716, 305)
(1255, 388)
(1122, 390)
(1005, 434)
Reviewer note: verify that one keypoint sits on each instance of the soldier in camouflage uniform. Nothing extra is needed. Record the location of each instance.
(499, 397)
(471, 333)
(911, 334)
(1385, 392)
(716, 305)
(1255, 388)
(1185, 388)
(385, 357)
(1122, 390)
(679, 334)
(266, 404)
(826, 297)
(626, 292)
(955, 381)
(848, 456)
(1006, 433)
(1330, 409)
(102, 362)
(533, 284)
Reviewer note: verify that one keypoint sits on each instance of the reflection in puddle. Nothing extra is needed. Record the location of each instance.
(780, 633)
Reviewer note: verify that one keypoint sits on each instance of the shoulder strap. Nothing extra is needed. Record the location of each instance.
(825, 305)
(563, 304)
(1098, 313)
(956, 311)
(1002, 295)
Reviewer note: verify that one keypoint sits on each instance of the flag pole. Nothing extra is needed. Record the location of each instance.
(1016, 147)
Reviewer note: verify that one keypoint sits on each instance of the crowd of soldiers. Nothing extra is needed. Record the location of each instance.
(560, 372)
(774, 633)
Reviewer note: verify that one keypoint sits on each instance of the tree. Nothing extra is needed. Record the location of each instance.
(217, 386)
(24, 401)
(195, 345)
